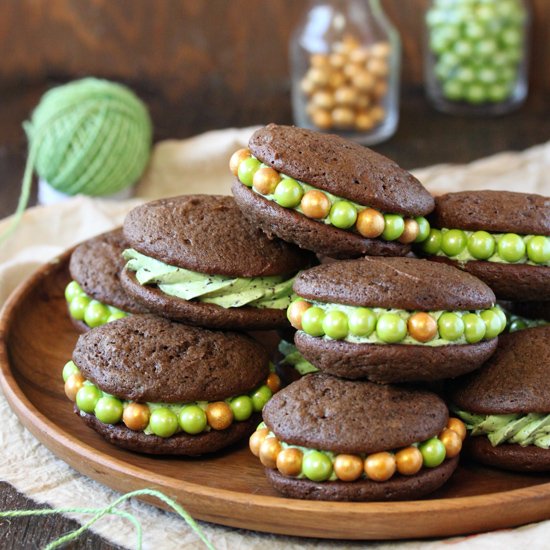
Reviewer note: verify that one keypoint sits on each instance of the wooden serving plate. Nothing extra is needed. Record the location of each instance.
(37, 338)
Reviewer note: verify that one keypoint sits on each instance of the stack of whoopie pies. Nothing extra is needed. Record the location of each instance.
(404, 296)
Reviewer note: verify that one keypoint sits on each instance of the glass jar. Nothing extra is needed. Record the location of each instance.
(476, 55)
(345, 59)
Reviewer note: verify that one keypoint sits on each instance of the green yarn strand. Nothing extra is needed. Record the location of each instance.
(111, 509)
(90, 136)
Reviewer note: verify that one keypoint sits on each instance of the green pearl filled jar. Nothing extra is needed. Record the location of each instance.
(476, 55)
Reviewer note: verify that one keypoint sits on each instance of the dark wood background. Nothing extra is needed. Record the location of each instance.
(205, 64)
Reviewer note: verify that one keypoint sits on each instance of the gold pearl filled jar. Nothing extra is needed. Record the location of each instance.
(345, 59)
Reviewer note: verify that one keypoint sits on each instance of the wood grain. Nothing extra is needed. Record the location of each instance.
(228, 488)
(232, 50)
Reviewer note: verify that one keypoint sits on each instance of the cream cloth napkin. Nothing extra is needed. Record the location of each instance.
(199, 165)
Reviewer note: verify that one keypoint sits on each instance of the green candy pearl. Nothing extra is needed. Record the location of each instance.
(538, 249)
(343, 214)
(247, 169)
(517, 324)
(72, 290)
(242, 407)
(502, 316)
(163, 422)
(481, 245)
(288, 193)
(423, 229)
(96, 314)
(69, 369)
(361, 322)
(260, 397)
(474, 328)
(108, 410)
(192, 419)
(450, 326)
(87, 398)
(335, 325)
(394, 227)
(432, 245)
(115, 316)
(390, 328)
(77, 307)
(493, 323)
(312, 321)
(433, 452)
(511, 247)
(453, 242)
(316, 466)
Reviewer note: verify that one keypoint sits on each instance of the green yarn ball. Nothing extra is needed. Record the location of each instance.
(90, 136)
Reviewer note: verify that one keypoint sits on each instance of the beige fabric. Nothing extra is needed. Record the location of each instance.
(200, 165)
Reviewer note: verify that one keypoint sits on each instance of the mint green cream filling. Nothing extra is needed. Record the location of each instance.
(519, 429)
(466, 256)
(374, 338)
(227, 292)
(295, 359)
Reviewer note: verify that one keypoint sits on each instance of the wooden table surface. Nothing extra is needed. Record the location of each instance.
(424, 137)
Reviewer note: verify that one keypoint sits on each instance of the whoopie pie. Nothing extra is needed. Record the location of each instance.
(499, 236)
(328, 195)
(95, 295)
(196, 259)
(325, 438)
(506, 403)
(394, 319)
(155, 386)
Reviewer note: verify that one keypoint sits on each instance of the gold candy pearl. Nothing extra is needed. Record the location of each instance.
(364, 121)
(364, 81)
(319, 77)
(269, 451)
(359, 55)
(457, 426)
(336, 79)
(307, 86)
(343, 117)
(322, 119)
(380, 466)
(323, 99)
(347, 45)
(289, 461)
(273, 382)
(410, 232)
(409, 461)
(452, 442)
(136, 416)
(265, 180)
(73, 384)
(348, 467)
(380, 49)
(422, 326)
(318, 60)
(296, 311)
(236, 158)
(370, 223)
(346, 95)
(219, 415)
(256, 440)
(351, 70)
(378, 67)
(315, 204)
(378, 113)
(337, 60)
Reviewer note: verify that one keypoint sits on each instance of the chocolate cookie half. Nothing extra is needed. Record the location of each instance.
(329, 195)
(506, 403)
(394, 319)
(325, 438)
(154, 386)
(95, 295)
(499, 236)
(195, 259)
